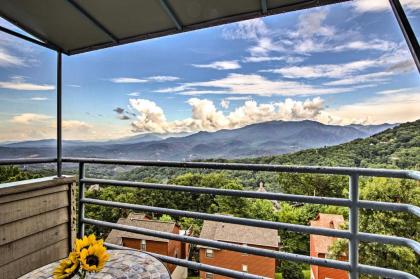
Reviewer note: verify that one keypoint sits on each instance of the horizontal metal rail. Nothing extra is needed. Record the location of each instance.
(5, 162)
(259, 195)
(366, 237)
(378, 271)
(193, 265)
(223, 245)
(223, 218)
(255, 167)
(223, 192)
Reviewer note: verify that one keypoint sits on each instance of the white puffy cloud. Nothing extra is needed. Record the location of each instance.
(19, 83)
(206, 117)
(28, 118)
(220, 65)
(382, 5)
(75, 125)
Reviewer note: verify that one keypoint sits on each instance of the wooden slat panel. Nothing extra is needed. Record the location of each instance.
(22, 247)
(31, 194)
(35, 260)
(25, 227)
(21, 209)
(34, 184)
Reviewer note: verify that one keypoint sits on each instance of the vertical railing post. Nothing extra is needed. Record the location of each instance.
(59, 114)
(354, 225)
(81, 215)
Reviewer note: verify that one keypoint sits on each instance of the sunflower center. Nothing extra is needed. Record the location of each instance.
(92, 260)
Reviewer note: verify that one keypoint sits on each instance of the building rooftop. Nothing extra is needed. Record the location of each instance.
(330, 221)
(239, 234)
(139, 220)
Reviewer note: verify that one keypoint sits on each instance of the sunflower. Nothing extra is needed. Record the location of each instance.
(67, 267)
(93, 259)
(86, 242)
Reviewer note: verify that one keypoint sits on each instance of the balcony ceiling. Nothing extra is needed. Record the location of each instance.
(77, 26)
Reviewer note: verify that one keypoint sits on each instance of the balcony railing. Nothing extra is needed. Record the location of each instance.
(353, 203)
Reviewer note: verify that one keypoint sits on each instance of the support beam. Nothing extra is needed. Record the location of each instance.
(26, 38)
(264, 6)
(93, 20)
(171, 14)
(50, 45)
(409, 35)
(59, 113)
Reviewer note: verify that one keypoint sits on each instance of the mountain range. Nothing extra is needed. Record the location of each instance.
(261, 139)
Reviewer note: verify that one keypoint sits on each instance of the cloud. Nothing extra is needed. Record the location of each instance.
(373, 78)
(238, 98)
(287, 59)
(312, 34)
(325, 70)
(39, 98)
(251, 84)
(206, 117)
(122, 114)
(144, 80)
(128, 80)
(18, 83)
(134, 94)
(363, 6)
(28, 118)
(249, 29)
(220, 65)
(73, 85)
(9, 60)
(411, 90)
(119, 110)
(395, 107)
(163, 78)
(224, 103)
(312, 24)
(75, 125)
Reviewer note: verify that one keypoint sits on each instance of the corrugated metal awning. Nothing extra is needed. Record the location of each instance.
(77, 26)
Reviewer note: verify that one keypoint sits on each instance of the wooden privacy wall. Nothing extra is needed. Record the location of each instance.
(37, 223)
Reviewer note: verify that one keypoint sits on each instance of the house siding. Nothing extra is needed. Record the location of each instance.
(161, 248)
(258, 265)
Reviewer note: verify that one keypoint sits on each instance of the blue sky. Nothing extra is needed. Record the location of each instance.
(346, 63)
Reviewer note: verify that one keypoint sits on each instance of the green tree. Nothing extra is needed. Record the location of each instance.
(387, 223)
(13, 173)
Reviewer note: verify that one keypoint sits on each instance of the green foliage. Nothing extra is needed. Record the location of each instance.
(313, 185)
(165, 218)
(397, 147)
(119, 194)
(291, 270)
(13, 173)
(387, 223)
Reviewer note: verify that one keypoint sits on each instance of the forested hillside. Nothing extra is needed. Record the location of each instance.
(398, 147)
